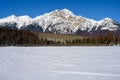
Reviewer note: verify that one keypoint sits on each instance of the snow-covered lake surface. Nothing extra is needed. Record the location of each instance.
(59, 63)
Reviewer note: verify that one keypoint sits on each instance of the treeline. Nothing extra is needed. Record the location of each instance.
(106, 40)
(11, 37)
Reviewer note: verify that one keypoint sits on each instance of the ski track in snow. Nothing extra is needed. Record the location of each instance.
(60, 63)
(86, 73)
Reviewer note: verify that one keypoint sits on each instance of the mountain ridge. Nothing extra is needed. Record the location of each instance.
(61, 22)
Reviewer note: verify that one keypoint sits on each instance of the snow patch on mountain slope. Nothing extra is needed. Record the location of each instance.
(108, 24)
(23, 21)
(61, 21)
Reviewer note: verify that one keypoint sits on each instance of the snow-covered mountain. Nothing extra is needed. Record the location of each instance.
(61, 21)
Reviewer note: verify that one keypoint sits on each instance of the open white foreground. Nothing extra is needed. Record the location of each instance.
(59, 63)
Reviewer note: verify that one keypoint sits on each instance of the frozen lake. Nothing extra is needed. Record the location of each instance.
(59, 63)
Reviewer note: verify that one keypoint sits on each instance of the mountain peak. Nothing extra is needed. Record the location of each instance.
(108, 19)
(66, 11)
(12, 16)
(8, 19)
(24, 17)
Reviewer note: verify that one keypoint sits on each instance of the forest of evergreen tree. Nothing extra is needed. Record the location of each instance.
(11, 37)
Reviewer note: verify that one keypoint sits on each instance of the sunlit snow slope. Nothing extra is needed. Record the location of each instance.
(62, 22)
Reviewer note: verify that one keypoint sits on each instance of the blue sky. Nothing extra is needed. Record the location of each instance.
(95, 9)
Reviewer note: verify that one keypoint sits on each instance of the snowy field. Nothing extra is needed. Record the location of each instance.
(59, 63)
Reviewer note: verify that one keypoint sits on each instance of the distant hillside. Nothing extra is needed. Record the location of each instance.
(58, 37)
